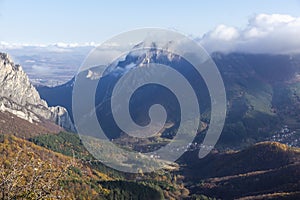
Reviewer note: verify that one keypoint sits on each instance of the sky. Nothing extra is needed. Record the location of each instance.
(71, 21)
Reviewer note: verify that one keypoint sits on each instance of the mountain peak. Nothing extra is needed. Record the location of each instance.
(5, 57)
(7, 62)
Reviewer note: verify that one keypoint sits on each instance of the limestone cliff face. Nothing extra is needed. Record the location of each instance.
(19, 97)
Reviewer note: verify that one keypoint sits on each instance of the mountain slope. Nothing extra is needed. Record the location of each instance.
(56, 176)
(21, 161)
(70, 144)
(267, 169)
(19, 97)
(261, 95)
(263, 169)
(13, 125)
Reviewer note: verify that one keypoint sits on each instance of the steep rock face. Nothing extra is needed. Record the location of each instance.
(19, 97)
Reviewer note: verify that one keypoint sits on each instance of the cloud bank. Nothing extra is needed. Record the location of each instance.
(264, 33)
(276, 34)
(60, 46)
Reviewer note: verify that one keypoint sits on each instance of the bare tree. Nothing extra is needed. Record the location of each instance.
(26, 176)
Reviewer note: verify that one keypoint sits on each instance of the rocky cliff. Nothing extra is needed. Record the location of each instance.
(19, 97)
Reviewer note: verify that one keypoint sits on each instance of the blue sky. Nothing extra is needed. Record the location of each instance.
(44, 22)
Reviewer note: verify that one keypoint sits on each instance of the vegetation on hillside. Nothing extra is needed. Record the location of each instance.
(263, 169)
(34, 172)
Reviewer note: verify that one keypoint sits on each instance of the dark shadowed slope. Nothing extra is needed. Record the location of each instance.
(263, 169)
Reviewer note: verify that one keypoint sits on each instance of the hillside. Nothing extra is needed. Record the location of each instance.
(22, 161)
(13, 125)
(262, 92)
(166, 181)
(29, 171)
(266, 168)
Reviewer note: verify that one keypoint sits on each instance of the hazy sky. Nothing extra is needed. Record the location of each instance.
(71, 21)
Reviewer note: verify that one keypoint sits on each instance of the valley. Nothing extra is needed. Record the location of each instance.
(257, 156)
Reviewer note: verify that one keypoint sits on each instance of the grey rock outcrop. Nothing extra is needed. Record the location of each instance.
(19, 97)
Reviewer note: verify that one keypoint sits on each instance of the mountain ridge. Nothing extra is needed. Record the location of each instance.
(258, 86)
(19, 97)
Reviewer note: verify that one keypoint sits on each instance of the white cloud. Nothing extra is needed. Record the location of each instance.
(59, 45)
(264, 33)
(41, 69)
(73, 45)
(277, 34)
(29, 61)
(225, 33)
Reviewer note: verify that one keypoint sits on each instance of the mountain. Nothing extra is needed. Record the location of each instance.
(20, 98)
(267, 170)
(263, 94)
